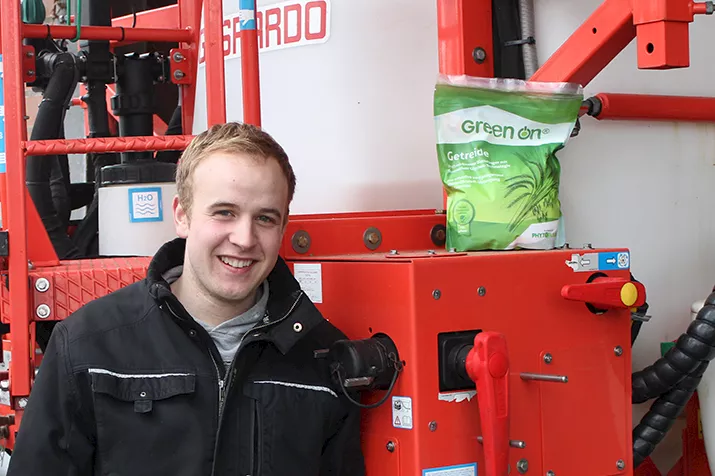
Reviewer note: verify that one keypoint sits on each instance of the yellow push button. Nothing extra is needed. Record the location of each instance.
(629, 294)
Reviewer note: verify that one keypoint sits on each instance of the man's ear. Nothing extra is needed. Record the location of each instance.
(181, 219)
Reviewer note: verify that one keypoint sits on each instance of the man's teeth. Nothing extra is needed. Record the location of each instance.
(237, 263)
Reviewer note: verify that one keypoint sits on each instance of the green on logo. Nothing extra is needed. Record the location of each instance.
(503, 131)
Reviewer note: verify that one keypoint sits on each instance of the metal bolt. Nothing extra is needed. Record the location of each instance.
(522, 466)
(393, 252)
(5, 384)
(30, 264)
(479, 54)
(550, 473)
(431, 252)
(30, 54)
(373, 237)
(42, 285)
(22, 403)
(548, 358)
(178, 56)
(618, 350)
(43, 311)
(481, 290)
(620, 464)
(588, 246)
(30, 72)
(432, 426)
(178, 74)
(390, 446)
(302, 241)
(436, 294)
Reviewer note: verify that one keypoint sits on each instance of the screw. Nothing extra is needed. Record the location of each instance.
(548, 358)
(618, 350)
(390, 446)
(302, 241)
(431, 252)
(522, 466)
(178, 74)
(30, 72)
(393, 252)
(30, 54)
(482, 290)
(42, 285)
(550, 473)
(43, 311)
(178, 57)
(620, 464)
(436, 294)
(432, 426)
(5, 385)
(479, 55)
(22, 403)
(373, 238)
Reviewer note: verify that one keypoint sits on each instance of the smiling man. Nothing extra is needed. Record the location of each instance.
(206, 367)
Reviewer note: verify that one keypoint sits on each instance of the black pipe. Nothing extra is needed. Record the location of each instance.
(174, 128)
(49, 125)
(695, 346)
(660, 418)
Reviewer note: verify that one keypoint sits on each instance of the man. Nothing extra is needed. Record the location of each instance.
(206, 367)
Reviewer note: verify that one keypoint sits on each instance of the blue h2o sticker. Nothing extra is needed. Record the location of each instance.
(145, 205)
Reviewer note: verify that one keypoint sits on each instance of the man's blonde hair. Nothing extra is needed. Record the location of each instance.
(232, 137)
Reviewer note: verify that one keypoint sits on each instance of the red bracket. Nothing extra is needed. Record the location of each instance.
(488, 365)
(29, 71)
(182, 66)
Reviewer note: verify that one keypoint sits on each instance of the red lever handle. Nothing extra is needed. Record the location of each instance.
(488, 365)
(605, 293)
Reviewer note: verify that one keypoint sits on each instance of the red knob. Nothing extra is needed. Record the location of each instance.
(607, 293)
(488, 365)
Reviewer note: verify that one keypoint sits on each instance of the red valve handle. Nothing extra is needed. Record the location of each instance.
(488, 365)
(606, 293)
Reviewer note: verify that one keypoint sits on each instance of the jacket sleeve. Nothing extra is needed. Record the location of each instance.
(342, 455)
(54, 437)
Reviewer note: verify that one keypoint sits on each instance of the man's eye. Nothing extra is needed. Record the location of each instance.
(266, 219)
(224, 213)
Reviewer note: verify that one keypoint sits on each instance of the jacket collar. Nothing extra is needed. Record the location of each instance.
(289, 314)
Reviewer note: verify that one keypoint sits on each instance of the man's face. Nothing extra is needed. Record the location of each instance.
(235, 226)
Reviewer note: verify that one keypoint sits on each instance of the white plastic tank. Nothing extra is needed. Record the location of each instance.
(135, 208)
(706, 396)
(347, 89)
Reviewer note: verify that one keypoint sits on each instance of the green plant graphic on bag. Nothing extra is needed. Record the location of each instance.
(496, 143)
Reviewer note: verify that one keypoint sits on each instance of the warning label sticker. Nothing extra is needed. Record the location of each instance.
(460, 470)
(402, 412)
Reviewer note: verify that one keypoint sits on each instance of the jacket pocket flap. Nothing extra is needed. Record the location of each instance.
(135, 387)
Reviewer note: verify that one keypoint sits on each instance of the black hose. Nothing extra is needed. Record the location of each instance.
(660, 418)
(49, 124)
(697, 345)
(174, 128)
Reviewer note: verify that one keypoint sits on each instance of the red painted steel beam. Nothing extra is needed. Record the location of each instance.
(639, 107)
(163, 17)
(463, 27)
(250, 71)
(105, 145)
(15, 211)
(189, 17)
(592, 46)
(215, 78)
(168, 35)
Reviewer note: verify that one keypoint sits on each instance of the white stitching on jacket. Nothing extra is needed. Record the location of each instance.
(114, 374)
(300, 385)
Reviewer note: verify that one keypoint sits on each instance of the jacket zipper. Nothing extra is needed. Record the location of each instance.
(225, 385)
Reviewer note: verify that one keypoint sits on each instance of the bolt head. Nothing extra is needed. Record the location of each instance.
(22, 403)
(436, 294)
(432, 426)
(178, 74)
(42, 285)
(373, 238)
(43, 311)
(550, 473)
(522, 466)
(620, 464)
(548, 358)
(393, 252)
(618, 350)
(390, 446)
(482, 291)
(4, 384)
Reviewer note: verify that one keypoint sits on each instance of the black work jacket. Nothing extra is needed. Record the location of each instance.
(131, 385)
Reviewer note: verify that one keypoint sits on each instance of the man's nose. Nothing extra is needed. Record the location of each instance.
(243, 233)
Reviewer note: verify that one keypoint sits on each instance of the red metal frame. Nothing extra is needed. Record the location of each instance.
(663, 108)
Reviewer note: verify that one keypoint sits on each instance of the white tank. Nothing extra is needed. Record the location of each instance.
(346, 88)
(135, 219)
(706, 396)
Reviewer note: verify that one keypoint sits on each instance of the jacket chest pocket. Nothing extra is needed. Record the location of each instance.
(142, 414)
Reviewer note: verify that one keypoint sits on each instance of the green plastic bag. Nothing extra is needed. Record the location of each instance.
(496, 143)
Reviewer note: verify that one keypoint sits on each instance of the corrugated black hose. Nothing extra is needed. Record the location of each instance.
(660, 418)
(697, 345)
